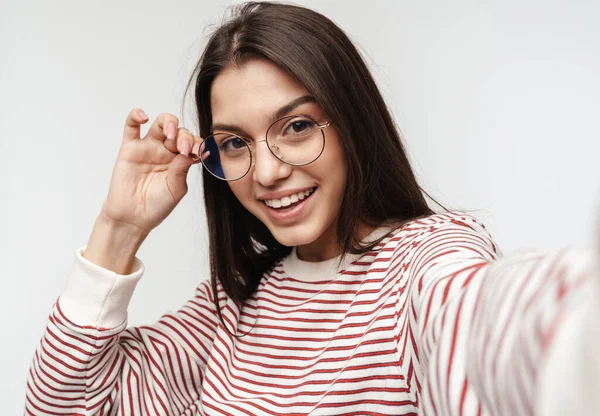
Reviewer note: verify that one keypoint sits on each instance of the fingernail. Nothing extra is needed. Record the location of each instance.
(196, 148)
(185, 148)
(142, 115)
(171, 131)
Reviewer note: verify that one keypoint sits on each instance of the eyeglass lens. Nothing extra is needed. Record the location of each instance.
(295, 140)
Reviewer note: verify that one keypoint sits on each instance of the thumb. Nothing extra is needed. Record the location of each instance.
(177, 175)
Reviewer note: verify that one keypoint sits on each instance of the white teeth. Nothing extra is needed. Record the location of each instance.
(288, 200)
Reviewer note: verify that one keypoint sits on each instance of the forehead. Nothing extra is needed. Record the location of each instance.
(253, 90)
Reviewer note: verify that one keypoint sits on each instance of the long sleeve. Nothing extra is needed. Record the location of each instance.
(491, 328)
(89, 363)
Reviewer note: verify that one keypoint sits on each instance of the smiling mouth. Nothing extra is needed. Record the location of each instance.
(289, 201)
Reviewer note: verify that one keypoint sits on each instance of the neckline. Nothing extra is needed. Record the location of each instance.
(326, 270)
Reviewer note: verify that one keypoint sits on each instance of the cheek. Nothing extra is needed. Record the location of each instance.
(333, 165)
(242, 189)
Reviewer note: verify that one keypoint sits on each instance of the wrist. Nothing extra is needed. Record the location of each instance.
(113, 245)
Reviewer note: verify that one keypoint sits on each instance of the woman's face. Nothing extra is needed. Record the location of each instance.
(244, 100)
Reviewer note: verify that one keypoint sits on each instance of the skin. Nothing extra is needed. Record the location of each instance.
(246, 97)
(149, 178)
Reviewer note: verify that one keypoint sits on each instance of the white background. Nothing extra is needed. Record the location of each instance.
(498, 103)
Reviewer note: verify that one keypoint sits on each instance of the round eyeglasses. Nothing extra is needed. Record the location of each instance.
(296, 140)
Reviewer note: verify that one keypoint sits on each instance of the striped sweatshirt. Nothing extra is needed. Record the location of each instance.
(433, 321)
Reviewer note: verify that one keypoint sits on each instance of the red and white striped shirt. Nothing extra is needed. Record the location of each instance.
(434, 321)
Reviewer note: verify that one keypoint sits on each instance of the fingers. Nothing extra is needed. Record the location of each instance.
(198, 153)
(134, 119)
(164, 127)
(196, 148)
(166, 130)
(188, 144)
(185, 141)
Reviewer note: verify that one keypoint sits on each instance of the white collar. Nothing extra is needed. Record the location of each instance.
(326, 270)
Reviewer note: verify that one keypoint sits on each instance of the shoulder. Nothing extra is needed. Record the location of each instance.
(449, 231)
(434, 222)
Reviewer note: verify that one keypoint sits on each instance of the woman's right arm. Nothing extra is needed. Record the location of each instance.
(89, 363)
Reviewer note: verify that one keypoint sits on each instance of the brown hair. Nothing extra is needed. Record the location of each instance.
(381, 186)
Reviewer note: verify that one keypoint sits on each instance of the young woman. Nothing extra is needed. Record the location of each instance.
(335, 289)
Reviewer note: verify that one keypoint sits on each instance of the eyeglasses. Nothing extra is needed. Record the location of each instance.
(295, 140)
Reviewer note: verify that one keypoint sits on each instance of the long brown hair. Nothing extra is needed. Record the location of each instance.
(381, 186)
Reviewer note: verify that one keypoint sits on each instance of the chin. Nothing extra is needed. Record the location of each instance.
(312, 227)
(298, 235)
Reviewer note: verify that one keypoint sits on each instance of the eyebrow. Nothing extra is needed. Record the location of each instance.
(280, 112)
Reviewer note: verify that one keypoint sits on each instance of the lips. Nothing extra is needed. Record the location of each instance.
(291, 212)
(290, 200)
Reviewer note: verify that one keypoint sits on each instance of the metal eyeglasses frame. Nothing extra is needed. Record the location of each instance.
(251, 143)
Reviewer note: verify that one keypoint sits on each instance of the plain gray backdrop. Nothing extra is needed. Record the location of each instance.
(497, 102)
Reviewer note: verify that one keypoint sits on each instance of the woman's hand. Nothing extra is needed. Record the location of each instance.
(149, 177)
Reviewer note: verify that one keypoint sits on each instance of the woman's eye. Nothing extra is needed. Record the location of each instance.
(233, 143)
(299, 126)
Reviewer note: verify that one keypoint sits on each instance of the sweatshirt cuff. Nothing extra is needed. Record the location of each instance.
(96, 296)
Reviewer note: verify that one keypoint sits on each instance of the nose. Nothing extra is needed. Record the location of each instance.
(268, 170)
